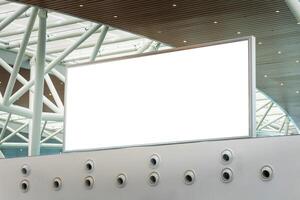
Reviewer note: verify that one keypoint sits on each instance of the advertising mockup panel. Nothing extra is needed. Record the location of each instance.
(188, 94)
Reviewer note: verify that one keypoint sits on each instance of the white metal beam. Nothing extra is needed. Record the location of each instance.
(24, 145)
(92, 44)
(1, 155)
(58, 75)
(19, 59)
(264, 116)
(49, 26)
(38, 69)
(25, 112)
(52, 135)
(14, 133)
(22, 16)
(47, 133)
(272, 121)
(5, 126)
(11, 18)
(99, 43)
(24, 82)
(56, 61)
(54, 92)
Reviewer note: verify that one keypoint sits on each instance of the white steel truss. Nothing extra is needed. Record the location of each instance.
(46, 42)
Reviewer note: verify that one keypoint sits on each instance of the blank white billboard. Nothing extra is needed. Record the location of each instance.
(175, 96)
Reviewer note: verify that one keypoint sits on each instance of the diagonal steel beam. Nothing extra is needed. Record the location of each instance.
(53, 25)
(44, 127)
(154, 46)
(50, 38)
(59, 75)
(54, 92)
(23, 15)
(99, 43)
(47, 133)
(92, 44)
(271, 122)
(102, 55)
(51, 136)
(143, 48)
(260, 108)
(14, 133)
(56, 61)
(264, 116)
(5, 126)
(1, 155)
(22, 80)
(20, 56)
(14, 16)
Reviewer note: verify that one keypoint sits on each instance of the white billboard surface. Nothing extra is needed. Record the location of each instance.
(192, 94)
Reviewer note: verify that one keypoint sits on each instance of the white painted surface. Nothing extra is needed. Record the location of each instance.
(185, 95)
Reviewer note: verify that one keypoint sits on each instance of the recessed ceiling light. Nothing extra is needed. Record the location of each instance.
(116, 16)
(266, 76)
(279, 52)
(238, 32)
(184, 41)
(50, 94)
(159, 32)
(174, 4)
(281, 84)
(297, 61)
(297, 92)
(277, 11)
(260, 43)
(298, 22)
(215, 22)
(80, 5)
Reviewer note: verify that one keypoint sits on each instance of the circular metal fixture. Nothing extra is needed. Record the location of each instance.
(25, 170)
(89, 165)
(266, 173)
(24, 185)
(89, 182)
(153, 179)
(227, 156)
(227, 175)
(154, 161)
(57, 183)
(189, 177)
(121, 180)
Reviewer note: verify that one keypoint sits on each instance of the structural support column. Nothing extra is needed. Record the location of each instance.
(38, 71)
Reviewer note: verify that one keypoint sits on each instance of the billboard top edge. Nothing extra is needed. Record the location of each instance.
(246, 38)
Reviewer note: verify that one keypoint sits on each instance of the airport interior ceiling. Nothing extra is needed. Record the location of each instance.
(181, 23)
